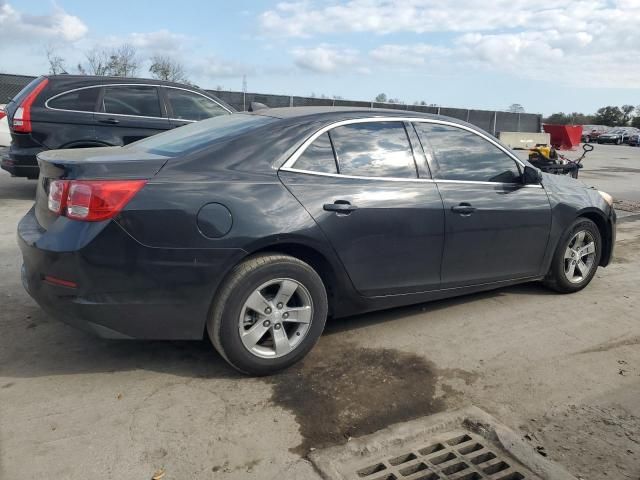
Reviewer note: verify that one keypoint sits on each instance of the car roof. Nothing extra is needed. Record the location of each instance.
(356, 112)
(112, 79)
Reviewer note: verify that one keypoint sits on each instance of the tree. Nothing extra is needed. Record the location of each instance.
(165, 68)
(515, 108)
(119, 62)
(610, 116)
(123, 61)
(574, 118)
(56, 62)
(635, 121)
(627, 110)
(381, 98)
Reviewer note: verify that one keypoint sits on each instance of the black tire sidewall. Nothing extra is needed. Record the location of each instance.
(557, 269)
(235, 350)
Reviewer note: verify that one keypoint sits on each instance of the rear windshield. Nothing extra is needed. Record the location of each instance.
(25, 91)
(197, 135)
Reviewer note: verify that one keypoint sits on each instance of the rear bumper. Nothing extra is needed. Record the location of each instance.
(124, 289)
(22, 161)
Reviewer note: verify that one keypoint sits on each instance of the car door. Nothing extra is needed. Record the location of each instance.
(68, 118)
(359, 182)
(185, 106)
(496, 228)
(128, 113)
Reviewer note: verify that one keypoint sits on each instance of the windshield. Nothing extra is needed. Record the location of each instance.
(197, 135)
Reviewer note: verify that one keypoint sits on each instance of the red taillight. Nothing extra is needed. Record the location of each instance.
(21, 122)
(2, 114)
(57, 195)
(91, 200)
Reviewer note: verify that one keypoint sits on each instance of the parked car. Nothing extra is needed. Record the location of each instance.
(618, 136)
(80, 111)
(252, 228)
(5, 136)
(634, 140)
(590, 133)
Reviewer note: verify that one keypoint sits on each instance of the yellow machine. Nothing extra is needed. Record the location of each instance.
(543, 154)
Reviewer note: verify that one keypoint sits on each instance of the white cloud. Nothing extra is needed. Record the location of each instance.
(327, 59)
(17, 27)
(160, 41)
(583, 42)
(218, 67)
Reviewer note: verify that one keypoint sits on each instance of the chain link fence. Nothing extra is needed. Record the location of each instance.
(493, 122)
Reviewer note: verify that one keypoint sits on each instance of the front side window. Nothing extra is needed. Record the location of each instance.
(463, 155)
(83, 100)
(139, 100)
(374, 149)
(318, 157)
(191, 106)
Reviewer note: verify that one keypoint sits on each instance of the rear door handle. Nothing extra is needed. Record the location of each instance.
(110, 121)
(339, 206)
(464, 209)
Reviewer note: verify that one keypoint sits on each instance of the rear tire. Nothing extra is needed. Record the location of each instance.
(576, 258)
(268, 314)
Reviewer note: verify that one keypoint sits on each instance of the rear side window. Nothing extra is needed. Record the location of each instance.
(318, 157)
(191, 106)
(80, 100)
(375, 149)
(463, 155)
(138, 100)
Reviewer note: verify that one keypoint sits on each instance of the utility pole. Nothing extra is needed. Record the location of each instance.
(244, 93)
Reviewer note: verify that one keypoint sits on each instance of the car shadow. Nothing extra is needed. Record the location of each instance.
(17, 188)
(49, 348)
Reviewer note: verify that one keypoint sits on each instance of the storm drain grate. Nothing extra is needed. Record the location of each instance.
(466, 444)
(459, 455)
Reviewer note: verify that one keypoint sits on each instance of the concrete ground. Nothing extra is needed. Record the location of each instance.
(562, 370)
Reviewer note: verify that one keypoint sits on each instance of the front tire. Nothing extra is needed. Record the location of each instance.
(576, 258)
(268, 314)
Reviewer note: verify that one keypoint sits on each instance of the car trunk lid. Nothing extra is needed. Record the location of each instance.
(105, 163)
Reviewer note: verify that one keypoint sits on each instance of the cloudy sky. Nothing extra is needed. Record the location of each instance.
(548, 55)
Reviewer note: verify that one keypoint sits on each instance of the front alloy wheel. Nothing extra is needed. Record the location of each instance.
(576, 258)
(579, 257)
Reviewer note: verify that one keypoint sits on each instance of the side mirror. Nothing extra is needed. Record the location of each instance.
(531, 175)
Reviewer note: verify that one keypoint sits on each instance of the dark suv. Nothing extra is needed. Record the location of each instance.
(76, 111)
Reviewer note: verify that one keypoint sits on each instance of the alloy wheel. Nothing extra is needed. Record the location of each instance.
(579, 257)
(275, 318)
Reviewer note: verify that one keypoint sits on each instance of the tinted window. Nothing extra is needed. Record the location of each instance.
(376, 149)
(191, 106)
(462, 155)
(198, 135)
(132, 100)
(83, 100)
(318, 157)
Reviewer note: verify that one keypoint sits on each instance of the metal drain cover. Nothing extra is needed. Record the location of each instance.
(467, 444)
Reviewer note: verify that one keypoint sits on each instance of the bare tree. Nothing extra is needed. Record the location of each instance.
(124, 62)
(119, 62)
(98, 60)
(56, 62)
(165, 68)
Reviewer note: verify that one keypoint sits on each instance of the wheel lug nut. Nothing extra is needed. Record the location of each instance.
(280, 305)
(285, 315)
(277, 326)
(267, 310)
(266, 323)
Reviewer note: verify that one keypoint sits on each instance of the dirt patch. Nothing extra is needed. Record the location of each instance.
(570, 436)
(604, 347)
(341, 391)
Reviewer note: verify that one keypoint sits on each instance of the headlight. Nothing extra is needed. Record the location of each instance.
(607, 198)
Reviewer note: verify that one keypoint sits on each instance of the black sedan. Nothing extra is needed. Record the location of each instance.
(254, 228)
